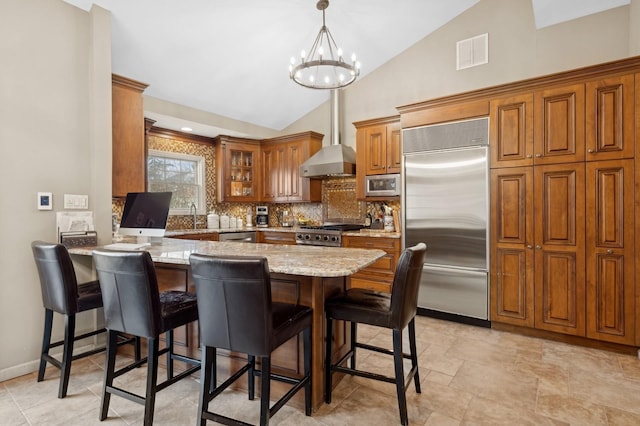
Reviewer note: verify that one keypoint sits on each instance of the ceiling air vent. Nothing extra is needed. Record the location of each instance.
(472, 51)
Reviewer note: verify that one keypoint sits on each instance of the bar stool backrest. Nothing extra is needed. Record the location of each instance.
(234, 302)
(406, 283)
(129, 292)
(57, 277)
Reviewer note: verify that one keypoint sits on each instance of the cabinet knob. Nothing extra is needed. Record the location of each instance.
(538, 246)
(590, 151)
(529, 246)
(529, 155)
(538, 155)
(609, 251)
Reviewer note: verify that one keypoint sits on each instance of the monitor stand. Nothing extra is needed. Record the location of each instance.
(148, 240)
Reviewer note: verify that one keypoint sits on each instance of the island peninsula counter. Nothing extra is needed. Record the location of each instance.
(307, 275)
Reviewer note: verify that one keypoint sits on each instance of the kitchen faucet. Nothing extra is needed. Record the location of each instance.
(193, 208)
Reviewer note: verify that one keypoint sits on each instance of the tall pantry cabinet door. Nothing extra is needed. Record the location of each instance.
(560, 248)
(511, 270)
(559, 125)
(609, 117)
(511, 135)
(610, 250)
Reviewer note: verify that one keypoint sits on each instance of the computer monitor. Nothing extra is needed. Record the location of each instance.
(145, 214)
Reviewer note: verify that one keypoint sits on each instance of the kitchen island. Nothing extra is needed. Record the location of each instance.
(307, 275)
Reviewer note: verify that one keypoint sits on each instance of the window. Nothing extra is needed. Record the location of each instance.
(181, 174)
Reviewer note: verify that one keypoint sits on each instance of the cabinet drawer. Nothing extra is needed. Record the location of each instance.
(390, 245)
(369, 284)
(199, 237)
(288, 238)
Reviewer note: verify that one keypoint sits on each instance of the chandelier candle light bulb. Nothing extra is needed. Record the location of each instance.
(325, 67)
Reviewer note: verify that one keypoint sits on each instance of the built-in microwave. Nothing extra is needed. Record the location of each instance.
(382, 185)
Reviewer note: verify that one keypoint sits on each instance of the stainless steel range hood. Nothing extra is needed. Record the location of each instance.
(335, 159)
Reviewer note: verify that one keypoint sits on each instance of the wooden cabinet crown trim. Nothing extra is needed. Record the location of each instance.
(376, 121)
(183, 136)
(622, 66)
(295, 136)
(128, 82)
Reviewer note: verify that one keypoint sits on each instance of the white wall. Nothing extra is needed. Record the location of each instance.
(55, 135)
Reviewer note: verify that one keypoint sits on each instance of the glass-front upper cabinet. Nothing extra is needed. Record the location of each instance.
(237, 169)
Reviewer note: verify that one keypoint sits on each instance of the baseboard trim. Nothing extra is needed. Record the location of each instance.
(454, 317)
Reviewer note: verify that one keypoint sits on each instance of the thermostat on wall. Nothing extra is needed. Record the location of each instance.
(45, 201)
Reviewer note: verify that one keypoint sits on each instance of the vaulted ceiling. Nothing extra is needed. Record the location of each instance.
(231, 57)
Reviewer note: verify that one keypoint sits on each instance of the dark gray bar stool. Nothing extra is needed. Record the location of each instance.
(236, 313)
(61, 293)
(394, 311)
(133, 305)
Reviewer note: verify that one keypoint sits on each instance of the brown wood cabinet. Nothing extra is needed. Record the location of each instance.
(237, 169)
(379, 275)
(273, 237)
(129, 153)
(563, 205)
(609, 118)
(209, 236)
(378, 150)
(610, 251)
(281, 159)
(559, 125)
(511, 131)
(511, 269)
(559, 238)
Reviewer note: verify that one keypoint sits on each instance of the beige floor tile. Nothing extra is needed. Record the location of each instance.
(469, 376)
(498, 384)
(569, 409)
(630, 366)
(446, 400)
(622, 418)
(435, 377)
(9, 411)
(482, 352)
(438, 419)
(612, 391)
(491, 413)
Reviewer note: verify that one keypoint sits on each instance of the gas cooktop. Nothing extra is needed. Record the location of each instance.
(324, 235)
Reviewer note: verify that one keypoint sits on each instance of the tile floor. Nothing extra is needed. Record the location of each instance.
(469, 376)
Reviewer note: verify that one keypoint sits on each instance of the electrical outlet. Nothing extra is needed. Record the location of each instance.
(76, 202)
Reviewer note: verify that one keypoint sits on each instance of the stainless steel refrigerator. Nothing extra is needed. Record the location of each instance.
(445, 193)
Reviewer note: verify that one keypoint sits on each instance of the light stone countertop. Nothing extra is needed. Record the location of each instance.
(285, 259)
(365, 232)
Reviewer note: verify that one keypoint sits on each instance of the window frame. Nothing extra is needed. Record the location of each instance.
(201, 203)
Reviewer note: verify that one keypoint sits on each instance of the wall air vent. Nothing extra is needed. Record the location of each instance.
(472, 51)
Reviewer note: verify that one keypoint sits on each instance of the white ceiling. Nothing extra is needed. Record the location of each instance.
(231, 57)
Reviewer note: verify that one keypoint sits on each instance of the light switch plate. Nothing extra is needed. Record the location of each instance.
(76, 202)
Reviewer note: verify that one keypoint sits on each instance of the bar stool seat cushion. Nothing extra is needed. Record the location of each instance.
(362, 306)
(178, 308)
(89, 296)
(288, 321)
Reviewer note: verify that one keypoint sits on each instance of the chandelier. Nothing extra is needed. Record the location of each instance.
(324, 67)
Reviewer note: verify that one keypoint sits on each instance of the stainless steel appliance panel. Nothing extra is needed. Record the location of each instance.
(240, 237)
(454, 291)
(446, 205)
